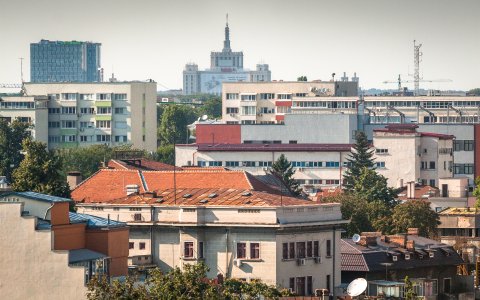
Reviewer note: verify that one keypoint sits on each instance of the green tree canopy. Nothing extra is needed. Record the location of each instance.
(85, 160)
(360, 157)
(372, 186)
(302, 78)
(40, 171)
(173, 127)
(283, 169)
(11, 137)
(212, 108)
(474, 92)
(189, 283)
(165, 154)
(415, 214)
(476, 192)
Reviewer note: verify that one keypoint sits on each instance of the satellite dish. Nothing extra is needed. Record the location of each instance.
(204, 117)
(357, 287)
(356, 238)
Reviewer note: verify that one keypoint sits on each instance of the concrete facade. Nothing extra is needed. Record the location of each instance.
(83, 114)
(32, 269)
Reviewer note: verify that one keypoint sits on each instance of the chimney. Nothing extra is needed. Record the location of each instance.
(74, 178)
(412, 231)
(132, 189)
(411, 190)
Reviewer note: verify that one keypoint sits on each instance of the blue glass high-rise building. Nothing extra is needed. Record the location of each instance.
(64, 61)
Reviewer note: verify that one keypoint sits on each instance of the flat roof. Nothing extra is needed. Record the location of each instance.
(38, 196)
(273, 147)
(80, 255)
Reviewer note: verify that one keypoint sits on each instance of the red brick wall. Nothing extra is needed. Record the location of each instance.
(218, 134)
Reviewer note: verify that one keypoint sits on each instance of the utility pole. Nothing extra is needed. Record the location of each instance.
(416, 61)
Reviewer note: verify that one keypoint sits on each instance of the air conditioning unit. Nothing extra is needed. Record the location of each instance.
(395, 258)
(431, 254)
(301, 261)
(237, 262)
(318, 260)
(407, 256)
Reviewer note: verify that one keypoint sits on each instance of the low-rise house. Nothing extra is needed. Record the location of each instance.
(384, 261)
(42, 239)
(238, 232)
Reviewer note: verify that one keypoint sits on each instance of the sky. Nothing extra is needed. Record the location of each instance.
(143, 39)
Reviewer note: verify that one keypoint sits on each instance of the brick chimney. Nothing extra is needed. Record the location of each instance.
(412, 231)
(74, 178)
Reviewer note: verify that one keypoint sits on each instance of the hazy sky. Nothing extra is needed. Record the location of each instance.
(144, 39)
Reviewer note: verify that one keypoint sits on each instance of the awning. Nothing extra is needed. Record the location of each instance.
(81, 255)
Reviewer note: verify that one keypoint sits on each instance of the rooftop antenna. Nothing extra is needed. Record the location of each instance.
(416, 61)
(23, 91)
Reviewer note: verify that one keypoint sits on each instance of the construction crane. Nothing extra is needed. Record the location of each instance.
(399, 81)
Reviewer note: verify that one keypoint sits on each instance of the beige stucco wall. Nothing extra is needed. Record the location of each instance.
(30, 269)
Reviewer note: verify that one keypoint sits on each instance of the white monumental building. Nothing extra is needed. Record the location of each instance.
(225, 66)
(83, 114)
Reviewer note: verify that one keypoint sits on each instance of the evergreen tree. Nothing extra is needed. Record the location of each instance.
(40, 171)
(360, 157)
(283, 169)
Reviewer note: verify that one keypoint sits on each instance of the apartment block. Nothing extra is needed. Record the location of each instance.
(112, 113)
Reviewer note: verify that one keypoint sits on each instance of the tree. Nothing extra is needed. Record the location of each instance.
(372, 186)
(302, 78)
(474, 92)
(360, 157)
(283, 169)
(85, 160)
(173, 127)
(415, 214)
(11, 137)
(409, 292)
(40, 171)
(212, 108)
(189, 283)
(476, 192)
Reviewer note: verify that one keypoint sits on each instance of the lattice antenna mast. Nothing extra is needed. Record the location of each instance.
(416, 62)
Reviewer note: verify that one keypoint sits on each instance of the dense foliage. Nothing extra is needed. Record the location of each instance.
(189, 283)
(415, 214)
(360, 157)
(283, 169)
(11, 137)
(40, 171)
(173, 126)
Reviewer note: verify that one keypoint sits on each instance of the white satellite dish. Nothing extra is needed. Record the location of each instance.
(357, 287)
(204, 117)
(356, 238)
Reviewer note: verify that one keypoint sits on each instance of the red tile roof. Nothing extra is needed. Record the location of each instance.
(109, 184)
(218, 197)
(140, 164)
(421, 193)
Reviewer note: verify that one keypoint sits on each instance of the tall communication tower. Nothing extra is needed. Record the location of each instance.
(416, 61)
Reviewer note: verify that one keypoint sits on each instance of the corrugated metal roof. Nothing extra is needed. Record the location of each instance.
(80, 255)
(93, 221)
(40, 197)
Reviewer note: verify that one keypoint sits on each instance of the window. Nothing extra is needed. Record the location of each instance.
(200, 250)
(285, 250)
(432, 165)
(309, 285)
(87, 110)
(232, 163)
(329, 248)
(327, 283)
(119, 96)
(53, 124)
(265, 164)
(249, 110)
(232, 96)
(104, 97)
(432, 182)
(248, 164)
(104, 111)
(68, 138)
(69, 124)
(120, 138)
(309, 249)
(316, 249)
(87, 124)
(332, 181)
(120, 110)
(248, 97)
(332, 164)
(254, 250)
(300, 286)
(69, 96)
(54, 139)
(84, 138)
(69, 110)
(463, 145)
(291, 250)
(232, 110)
(284, 96)
(380, 164)
(54, 110)
(104, 124)
(301, 249)
(468, 145)
(103, 138)
(446, 285)
(141, 246)
(381, 151)
(291, 284)
(188, 249)
(87, 97)
(241, 250)
(131, 245)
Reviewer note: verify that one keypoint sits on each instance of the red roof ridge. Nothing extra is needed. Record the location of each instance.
(119, 164)
(248, 180)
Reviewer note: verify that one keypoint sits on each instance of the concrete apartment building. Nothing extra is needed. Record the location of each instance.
(225, 66)
(268, 102)
(52, 253)
(401, 153)
(83, 114)
(28, 109)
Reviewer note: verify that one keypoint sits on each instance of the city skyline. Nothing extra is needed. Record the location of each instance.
(155, 39)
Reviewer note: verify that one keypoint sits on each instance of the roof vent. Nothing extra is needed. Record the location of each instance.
(203, 201)
(246, 194)
(212, 195)
(248, 202)
(160, 200)
(187, 195)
